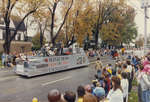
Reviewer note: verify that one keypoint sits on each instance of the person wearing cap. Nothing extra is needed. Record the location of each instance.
(55, 96)
(99, 92)
(70, 96)
(88, 97)
(116, 93)
(145, 83)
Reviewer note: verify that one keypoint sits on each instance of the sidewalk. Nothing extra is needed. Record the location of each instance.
(6, 68)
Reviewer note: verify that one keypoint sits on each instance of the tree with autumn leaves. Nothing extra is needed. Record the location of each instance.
(112, 21)
(79, 23)
(120, 27)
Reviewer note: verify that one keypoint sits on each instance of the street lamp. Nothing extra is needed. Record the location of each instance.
(145, 4)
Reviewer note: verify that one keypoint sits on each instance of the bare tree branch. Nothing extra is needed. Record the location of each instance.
(18, 26)
(7, 11)
(63, 21)
(50, 10)
(10, 9)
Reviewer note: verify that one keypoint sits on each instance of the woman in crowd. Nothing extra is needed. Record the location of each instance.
(116, 93)
(125, 86)
(145, 83)
(138, 76)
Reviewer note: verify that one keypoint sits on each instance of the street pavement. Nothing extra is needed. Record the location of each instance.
(14, 88)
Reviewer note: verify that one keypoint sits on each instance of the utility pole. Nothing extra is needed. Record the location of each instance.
(145, 30)
(145, 6)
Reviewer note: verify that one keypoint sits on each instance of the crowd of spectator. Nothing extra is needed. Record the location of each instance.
(111, 83)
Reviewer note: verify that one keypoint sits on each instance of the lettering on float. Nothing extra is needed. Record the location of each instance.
(54, 61)
(58, 59)
(42, 66)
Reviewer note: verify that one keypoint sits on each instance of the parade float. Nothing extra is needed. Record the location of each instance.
(39, 65)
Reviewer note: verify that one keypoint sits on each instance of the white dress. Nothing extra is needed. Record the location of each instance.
(125, 86)
(115, 96)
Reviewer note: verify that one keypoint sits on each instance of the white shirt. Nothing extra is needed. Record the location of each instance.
(51, 52)
(129, 68)
(125, 86)
(144, 82)
(115, 96)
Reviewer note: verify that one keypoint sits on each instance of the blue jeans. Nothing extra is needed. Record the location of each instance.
(146, 96)
(3, 61)
(99, 73)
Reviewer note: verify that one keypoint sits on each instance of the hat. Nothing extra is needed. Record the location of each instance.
(147, 68)
(99, 92)
(94, 81)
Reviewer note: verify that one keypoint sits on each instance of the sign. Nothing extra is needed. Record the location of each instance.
(42, 66)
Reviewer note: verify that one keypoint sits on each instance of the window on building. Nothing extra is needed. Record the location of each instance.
(4, 35)
(1, 21)
(19, 37)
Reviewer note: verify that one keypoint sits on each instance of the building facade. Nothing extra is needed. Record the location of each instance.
(20, 43)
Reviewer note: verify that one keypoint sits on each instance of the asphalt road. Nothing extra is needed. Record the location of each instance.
(14, 88)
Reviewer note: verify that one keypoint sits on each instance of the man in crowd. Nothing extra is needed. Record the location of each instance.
(98, 67)
(88, 97)
(70, 96)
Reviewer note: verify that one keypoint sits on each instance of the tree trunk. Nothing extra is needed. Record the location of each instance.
(41, 39)
(6, 47)
(52, 22)
(6, 44)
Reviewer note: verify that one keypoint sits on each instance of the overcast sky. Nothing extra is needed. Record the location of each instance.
(139, 19)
